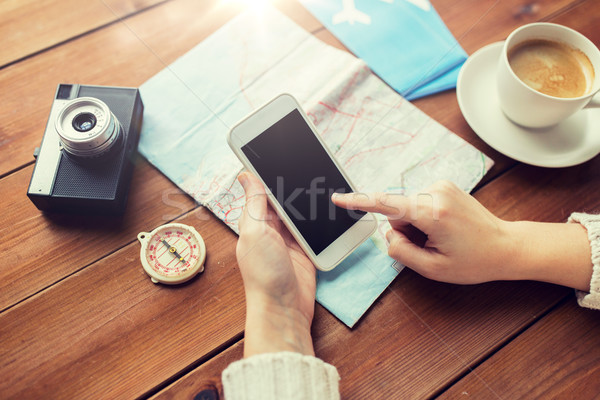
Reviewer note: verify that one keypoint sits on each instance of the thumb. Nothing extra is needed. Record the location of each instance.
(256, 199)
(408, 253)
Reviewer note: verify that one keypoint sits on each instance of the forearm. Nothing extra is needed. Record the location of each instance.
(551, 252)
(272, 328)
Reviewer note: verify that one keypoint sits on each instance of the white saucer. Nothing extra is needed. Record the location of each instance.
(573, 141)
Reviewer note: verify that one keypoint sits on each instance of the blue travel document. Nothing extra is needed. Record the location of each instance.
(405, 42)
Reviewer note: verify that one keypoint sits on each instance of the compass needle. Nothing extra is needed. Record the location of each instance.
(173, 251)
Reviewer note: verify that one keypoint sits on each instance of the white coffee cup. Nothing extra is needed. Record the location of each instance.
(528, 107)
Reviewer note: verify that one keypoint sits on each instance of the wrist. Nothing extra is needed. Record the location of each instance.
(506, 253)
(550, 252)
(520, 257)
(273, 327)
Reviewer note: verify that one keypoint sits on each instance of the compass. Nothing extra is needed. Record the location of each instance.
(172, 253)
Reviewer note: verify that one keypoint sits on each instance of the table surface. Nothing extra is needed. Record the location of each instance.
(80, 319)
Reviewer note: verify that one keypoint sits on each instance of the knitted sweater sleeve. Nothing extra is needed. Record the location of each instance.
(280, 376)
(592, 225)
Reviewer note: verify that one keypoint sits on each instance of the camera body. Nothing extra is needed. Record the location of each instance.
(85, 161)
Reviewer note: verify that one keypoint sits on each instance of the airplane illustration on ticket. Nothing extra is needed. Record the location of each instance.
(351, 14)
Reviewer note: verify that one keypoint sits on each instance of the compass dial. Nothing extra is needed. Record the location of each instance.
(172, 253)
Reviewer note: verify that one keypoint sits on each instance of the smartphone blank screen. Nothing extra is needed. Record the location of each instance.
(302, 177)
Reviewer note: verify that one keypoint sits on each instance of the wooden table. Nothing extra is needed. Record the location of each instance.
(80, 319)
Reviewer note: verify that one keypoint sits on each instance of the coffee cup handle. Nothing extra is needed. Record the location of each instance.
(594, 101)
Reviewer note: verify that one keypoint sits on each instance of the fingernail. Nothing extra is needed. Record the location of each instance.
(388, 235)
(337, 196)
(242, 178)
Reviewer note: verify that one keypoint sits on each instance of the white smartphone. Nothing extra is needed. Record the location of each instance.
(279, 144)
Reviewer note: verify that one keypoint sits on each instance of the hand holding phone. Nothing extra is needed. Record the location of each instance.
(280, 299)
(279, 144)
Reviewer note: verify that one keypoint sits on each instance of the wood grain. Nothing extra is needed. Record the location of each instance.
(30, 26)
(208, 375)
(125, 54)
(490, 21)
(406, 347)
(108, 332)
(541, 194)
(40, 249)
(558, 356)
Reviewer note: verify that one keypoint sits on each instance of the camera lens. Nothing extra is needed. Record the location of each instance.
(87, 128)
(84, 122)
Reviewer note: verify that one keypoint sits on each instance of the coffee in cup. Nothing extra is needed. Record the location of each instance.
(551, 67)
(546, 73)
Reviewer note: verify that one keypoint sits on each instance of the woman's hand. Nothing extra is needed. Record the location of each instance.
(446, 235)
(279, 280)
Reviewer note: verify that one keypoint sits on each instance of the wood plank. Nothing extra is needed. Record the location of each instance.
(139, 48)
(39, 250)
(558, 355)
(29, 26)
(496, 19)
(421, 335)
(406, 345)
(108, 332)
(541, 194)
(206, 377)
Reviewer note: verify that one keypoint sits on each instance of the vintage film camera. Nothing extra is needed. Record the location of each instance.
(85, 161)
